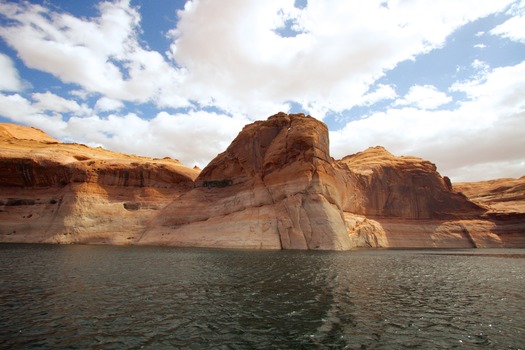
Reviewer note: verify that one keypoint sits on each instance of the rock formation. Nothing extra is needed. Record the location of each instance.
(403, 187)
(411, 206)
(275, 187)
(503, 196)
(54, 192)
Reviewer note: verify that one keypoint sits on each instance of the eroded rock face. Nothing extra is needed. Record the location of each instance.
(68, 193)
(381, 184)
(275, 187)
(499, 195)
(30, 158)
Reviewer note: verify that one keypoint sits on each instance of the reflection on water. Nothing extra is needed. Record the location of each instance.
(81, 297)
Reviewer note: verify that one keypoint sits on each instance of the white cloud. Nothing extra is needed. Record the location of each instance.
(81, 94)
(480, 65)
(194, 138)
(21, 110)
(230, 53)
(482, 70)
(514, 27)
(10, 80)
(424, 97)
(383, 92)
(101, 54)
(105, 104)
(342, 48)
(468, 143)
(50, 102)
(500, 90)
(15, 106)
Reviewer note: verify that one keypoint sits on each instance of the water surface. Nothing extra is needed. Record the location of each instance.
(106, 297)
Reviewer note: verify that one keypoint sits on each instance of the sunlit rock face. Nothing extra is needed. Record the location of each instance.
(275, 187)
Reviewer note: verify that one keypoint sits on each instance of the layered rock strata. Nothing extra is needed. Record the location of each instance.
(53, 192)
(275, 187)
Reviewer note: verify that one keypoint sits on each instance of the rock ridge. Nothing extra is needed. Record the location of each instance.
(275, 187)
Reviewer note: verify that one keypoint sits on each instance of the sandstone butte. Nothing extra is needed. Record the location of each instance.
(275, 187)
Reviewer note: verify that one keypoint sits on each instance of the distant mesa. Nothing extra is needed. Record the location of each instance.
(275, 187)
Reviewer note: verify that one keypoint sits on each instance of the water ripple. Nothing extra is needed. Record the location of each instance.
(99, 297)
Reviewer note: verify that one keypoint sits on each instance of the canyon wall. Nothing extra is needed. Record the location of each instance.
(275, 187)
(52, 192)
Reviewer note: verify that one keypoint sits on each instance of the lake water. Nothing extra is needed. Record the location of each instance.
(104, 297)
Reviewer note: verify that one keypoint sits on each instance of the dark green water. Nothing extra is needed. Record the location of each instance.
(103, 297)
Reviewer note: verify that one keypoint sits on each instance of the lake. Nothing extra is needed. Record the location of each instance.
(115, 297)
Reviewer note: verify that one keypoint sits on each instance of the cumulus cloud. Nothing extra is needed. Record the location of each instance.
(21, 110)
(108, 60)
(514, 27)
(51, 102)
(424, 97)
(197, 136)
(10, 80)
(469, 142)
(341, 47)
(233, 55)
(383, 92)
(105, 104)
(15, 107)
(194, 137)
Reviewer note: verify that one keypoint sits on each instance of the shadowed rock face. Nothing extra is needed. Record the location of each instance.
(401, 187)
(275, 187)
(30, 158)
(71, 193)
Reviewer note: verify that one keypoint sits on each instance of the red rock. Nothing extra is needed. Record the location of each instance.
(69, 193)
(500, 195)
(275, 187)
(272, 187)
(406, 187)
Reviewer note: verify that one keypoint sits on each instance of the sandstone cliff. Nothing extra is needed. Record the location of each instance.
(497, 196)
(69, 193)
(404, 187)
(275, 187)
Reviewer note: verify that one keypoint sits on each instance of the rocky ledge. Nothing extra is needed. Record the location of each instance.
(275, 187)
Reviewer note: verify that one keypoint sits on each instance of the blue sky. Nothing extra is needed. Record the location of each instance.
(439, 80)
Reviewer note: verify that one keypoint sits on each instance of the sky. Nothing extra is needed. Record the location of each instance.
(442, 80)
